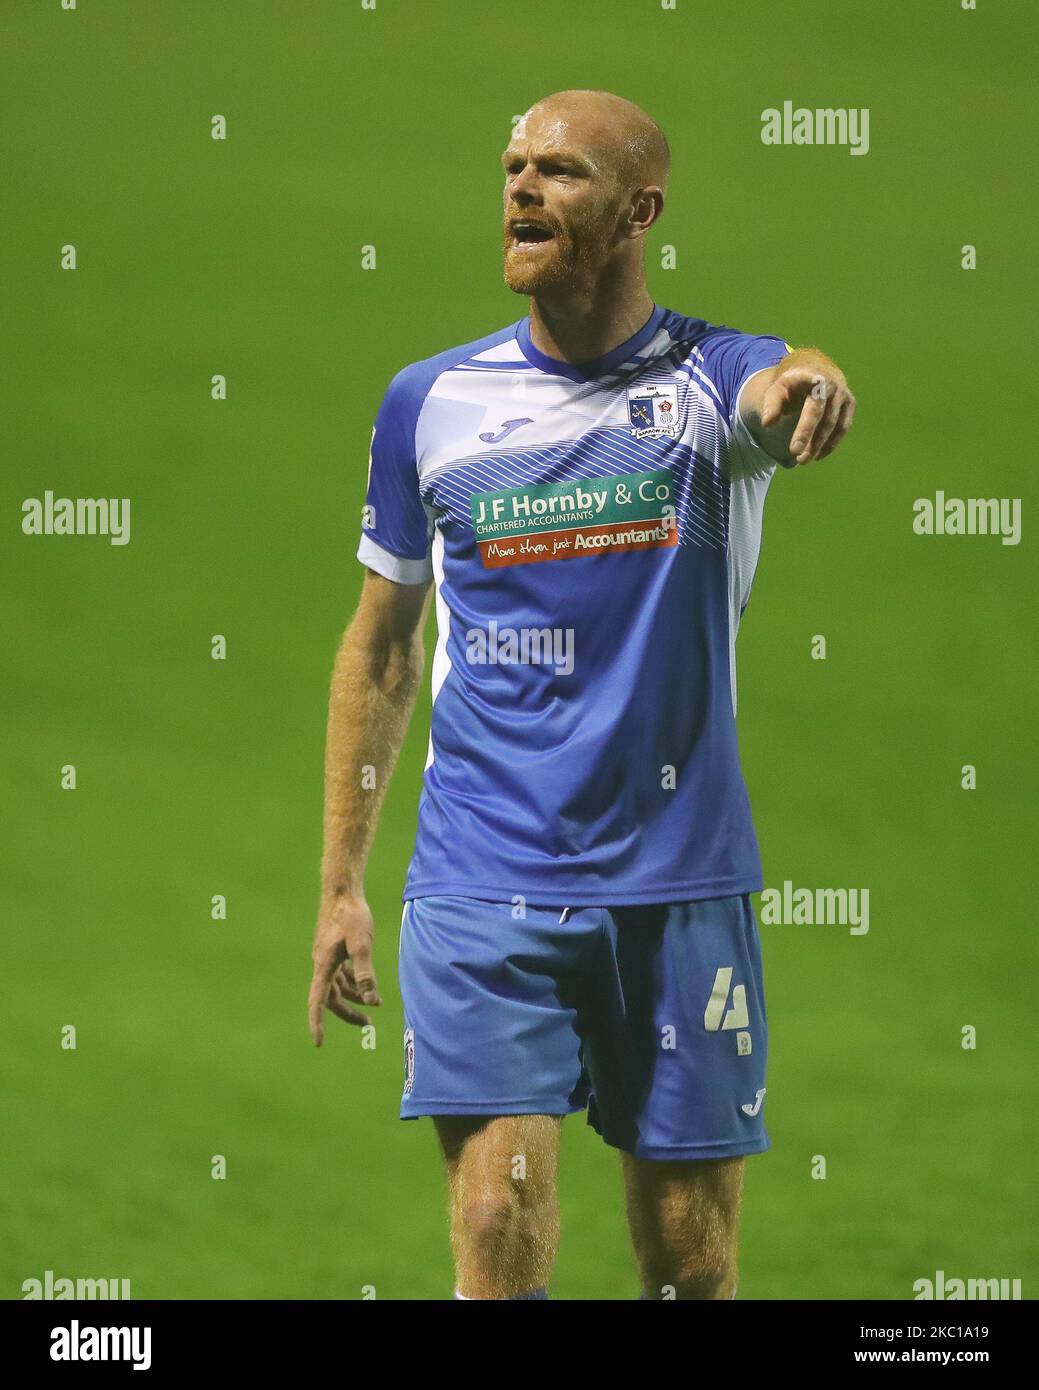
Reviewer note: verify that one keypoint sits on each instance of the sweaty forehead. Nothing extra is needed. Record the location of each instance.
(577, 132)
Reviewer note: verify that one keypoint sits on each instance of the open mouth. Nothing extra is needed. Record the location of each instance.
(525, 233)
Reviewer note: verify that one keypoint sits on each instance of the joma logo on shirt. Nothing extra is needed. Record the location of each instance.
(559, 521)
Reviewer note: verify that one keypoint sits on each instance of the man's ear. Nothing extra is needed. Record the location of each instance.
(648, 203)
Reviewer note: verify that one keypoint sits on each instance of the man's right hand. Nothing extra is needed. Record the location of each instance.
(342, 956)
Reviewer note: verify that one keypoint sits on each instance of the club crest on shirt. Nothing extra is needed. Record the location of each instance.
(653, 411)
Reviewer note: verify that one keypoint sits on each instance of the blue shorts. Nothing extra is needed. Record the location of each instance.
(651, 1017)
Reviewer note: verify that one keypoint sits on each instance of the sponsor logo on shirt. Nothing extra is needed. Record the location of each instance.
(565, 521)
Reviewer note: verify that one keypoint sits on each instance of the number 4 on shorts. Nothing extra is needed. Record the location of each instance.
(737, 1016)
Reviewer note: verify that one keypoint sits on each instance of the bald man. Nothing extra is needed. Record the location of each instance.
(583, 490)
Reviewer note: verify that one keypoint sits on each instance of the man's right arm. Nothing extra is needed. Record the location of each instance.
(374, 684)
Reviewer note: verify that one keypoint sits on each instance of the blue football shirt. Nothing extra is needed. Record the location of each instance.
(593, 533)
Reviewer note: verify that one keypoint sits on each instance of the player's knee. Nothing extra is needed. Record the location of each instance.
(688, 1271)
(501, 1219)
(489, 1218)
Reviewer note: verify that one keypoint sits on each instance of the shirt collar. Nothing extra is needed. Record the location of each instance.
(585, 371)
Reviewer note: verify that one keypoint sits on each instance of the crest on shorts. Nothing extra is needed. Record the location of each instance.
(653, 411)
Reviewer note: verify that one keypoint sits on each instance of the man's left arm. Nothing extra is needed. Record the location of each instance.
(800, 409)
